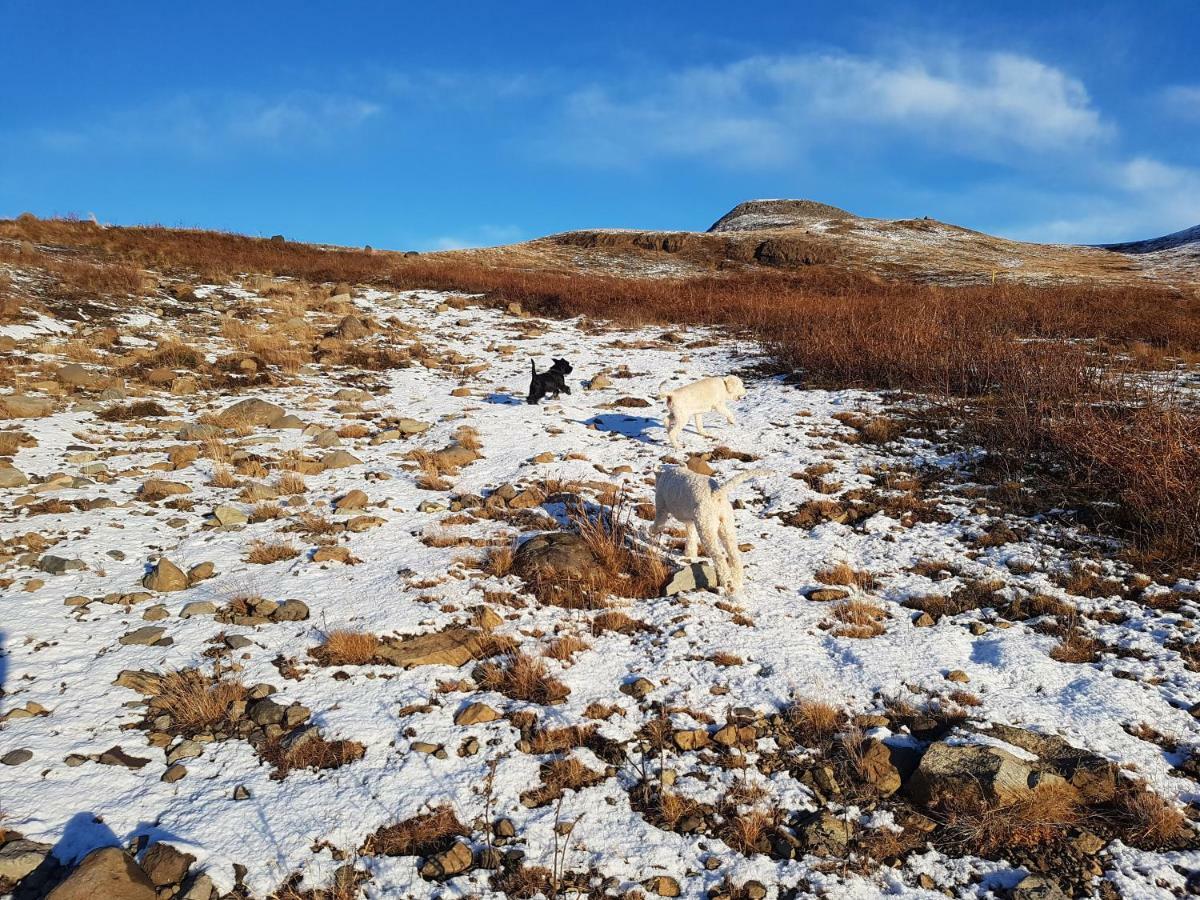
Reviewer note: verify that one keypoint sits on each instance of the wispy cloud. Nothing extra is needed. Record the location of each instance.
(768, 110)
(477, 236)
(207, 123)
(1182, 100)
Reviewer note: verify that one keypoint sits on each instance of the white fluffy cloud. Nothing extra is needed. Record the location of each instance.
(767, 110)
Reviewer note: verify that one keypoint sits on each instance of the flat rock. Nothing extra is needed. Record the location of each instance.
(339, 459)
(695, 576)
(450, 647)
(105, 873)
(16, 757)
(474, 714)
(18, 406)
(410, 426)
(20, 857)
(253, 412)
(11, 477)
(145, 636)
(164, 865)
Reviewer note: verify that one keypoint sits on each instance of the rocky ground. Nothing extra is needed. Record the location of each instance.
(301, 599)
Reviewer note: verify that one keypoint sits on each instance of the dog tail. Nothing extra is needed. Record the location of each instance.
(723, 490)
(532, 366)
(662, 390)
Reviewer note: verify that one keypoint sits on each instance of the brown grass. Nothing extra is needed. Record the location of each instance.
(1037, 818)
(813, 722)
(266, 552)
(1148, 820)
(291, 483)
(223, 477)
(140, 409)
(858, 619)
(522, 677)
(564, 647)
(347, 648)
(314, 754)
(844, 574)
(423, 835)
(196, 701)
(559, 775)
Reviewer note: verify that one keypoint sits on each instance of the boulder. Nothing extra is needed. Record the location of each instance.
(12, 477)
(339, 459)
(146, 636)
(556, 554)
(474, 714)
(695, 576)
(18, 406)
(165, 576)
(458, 859)
(253, 412)
(410, 426)
(990, 773)
(449, 647)
(107, 873)
(164, 865)
(20, 857)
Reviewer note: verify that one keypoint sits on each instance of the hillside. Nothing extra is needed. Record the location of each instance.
(792, 234)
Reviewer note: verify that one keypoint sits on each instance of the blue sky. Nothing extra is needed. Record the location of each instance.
(419, 125)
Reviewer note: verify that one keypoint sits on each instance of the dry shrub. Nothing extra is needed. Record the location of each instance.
(746, 831)
(423, 835)
(559, 775)
(347, 648)
(559, 740)
(267, 512)
(266, 552)
(290, 484)
(564, 647)
(814, 723)
(499, 561)
(11, 442)
(1147, 819)
(315, 525)
(722, 658)
(1036, 818)
(615, 620)
(313, 753)
(223, 477)
(1076, 645)
(523, 677)
(844, 574)
(858, 619)
(196, 701)
(139, 409)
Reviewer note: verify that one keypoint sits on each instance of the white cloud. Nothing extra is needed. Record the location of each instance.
(205, 123)
(1182, 100)
(767, 110)
(480, 236)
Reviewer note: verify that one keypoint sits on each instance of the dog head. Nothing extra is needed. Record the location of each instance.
(734, 387)
(561, 365)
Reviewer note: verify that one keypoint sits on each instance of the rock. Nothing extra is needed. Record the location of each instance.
(449, 647)
(57, 565)
(165, 577)
(486, 618)
(174, 773)
(115, 756)
(355, 499)
(364, 523)
(18, 406)
(149, 683)
(697, 576)
(155, 613)
(11, 477)
(691, 739)
(16, 757)
(200, 572)
(241, 792)
(599, 382)
(339, 459)
(164, 865)
(291, 611)
(160, 487)
(228, 516)
(20, 857)
(327, 438)
(287, 423)
(924, 620)
(556, 554)
(455, 861)
(146, 636)
(990, 773)
(1038, 887)
(663, 886)
(877, 767)
(638, 688)
(201, 888)
(828, 834)
(185, 749)
(471, 714)
(252, 412)
(958, 676)
(266, 712)
(350, 327)
(410, 426)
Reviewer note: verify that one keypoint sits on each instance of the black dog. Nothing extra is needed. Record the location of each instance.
(550, 382)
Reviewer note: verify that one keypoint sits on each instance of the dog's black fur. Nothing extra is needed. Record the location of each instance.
(552, 381)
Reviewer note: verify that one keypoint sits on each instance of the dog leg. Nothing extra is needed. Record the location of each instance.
(733, 552)
(673, 429)
(710, 541)
(692, 550)
(700, 424)
(724, 410)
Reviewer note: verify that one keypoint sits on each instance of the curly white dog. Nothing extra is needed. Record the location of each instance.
(703, 506)
(695, 399)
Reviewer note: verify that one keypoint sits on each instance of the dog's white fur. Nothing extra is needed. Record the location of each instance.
(703, 506)
(695, 399)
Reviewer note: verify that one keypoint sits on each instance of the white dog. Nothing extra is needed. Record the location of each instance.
(703, 506)
(695, 399)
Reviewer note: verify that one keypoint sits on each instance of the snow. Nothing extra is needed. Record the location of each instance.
(67, 658)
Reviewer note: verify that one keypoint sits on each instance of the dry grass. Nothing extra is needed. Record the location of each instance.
(844, 574)
(423, 835)
(347, 648)
(265, 552)
(223, 477)
(564, 647)
(814, 723)
(858, 619)
(290, 484)
(140, 409)
(1148, 820)
(722, 658)
(313, 753)
(559, 775)
(1029, 822)
(522, 677)
(196, 701)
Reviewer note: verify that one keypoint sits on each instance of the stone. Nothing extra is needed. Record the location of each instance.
(266, 712)
(486, 618)
(149, 683)
(350, 327)
(410, 426)
(185, 749)
(1038, 887)
(556, 554)
(174, 773)
(200, 572)
(339, 459)
(164, 865)
(638, 688)
(155, 613)
(449, 647)
(165, 577)
(241, 792)
(200, 888)
(990, 773)
(599, 382)
(160, 487)
(354, 499)
(458, 859)
(115, 756)
(16, 757)
(472, 714)
(57, 565)
(20, 857)
(924, 620)
(288, 423)
(691, 739)
(958, 676)
(253, 412)
(327, 438)
(146, 636)
(291, 611)
(697, 576)
(827, 595)
(18, 406)
(663, 886)
(11, 477)
(877, 767)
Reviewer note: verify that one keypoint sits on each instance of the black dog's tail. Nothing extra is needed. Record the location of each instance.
(532, 366)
